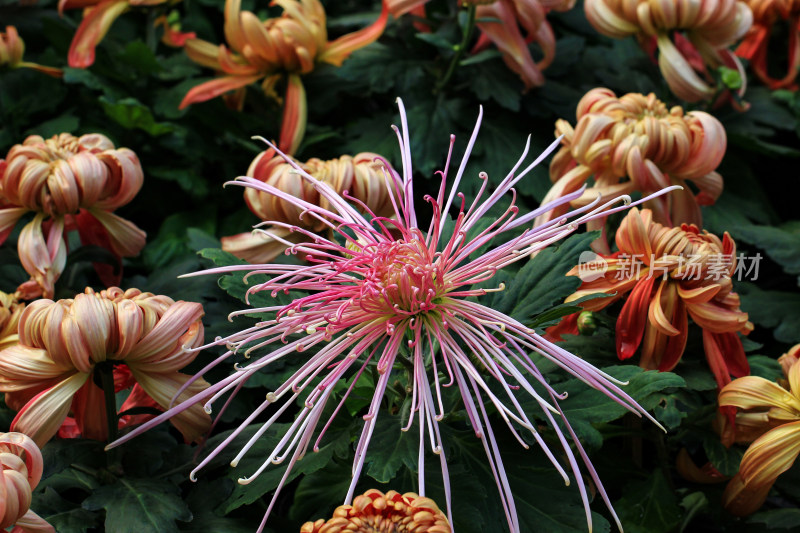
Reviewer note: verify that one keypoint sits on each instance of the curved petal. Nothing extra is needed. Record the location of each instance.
(163, 338)
(741, 499)
(753, 392)
(192, 422)
(203, 53)
(41, 417)
(633, 318)
(401, 7)
(125, 238)
(337, 51)
(506, 36)
(31, 522)
(676, 345)
(43, 259)
(771, 455)
(257, 247)
(212, 89)
(8, 219)
(89, 410)
(679, 74)
(23, 367)
(295, 112)
(93, 28)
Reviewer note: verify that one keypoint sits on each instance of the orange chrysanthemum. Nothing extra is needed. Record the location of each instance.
(635, 143)
(21, 467)
(671, 274)
(692, 36)
(390, 513)
(50, 372)
(12, 48)
(360, 176)
(290, 44)
(70, 183)
(766, 15)
(772, 411)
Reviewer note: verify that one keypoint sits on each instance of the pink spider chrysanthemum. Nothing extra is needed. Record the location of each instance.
(387, 283)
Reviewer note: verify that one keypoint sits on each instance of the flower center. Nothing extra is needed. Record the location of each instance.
(402, 276)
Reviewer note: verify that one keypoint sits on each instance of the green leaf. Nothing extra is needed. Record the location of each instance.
(779, 242)
(235, 285)
(726, 460)
(765, 367)
(585, 407)
(139, 56)
(319, 492)
(430, 123)
(649, 506)
(492, 80)
(382, 68)
(139, 506)
(269, 479)
(439, 41)
(61, 513)
(693, 503)
(544, 503)
(67, 464)
(66, 122)
(203, 498)
(542, 282)
(90, 80)
(130, 114)
(773, 309)
(777, 518)
(171, 241)
(390, 448)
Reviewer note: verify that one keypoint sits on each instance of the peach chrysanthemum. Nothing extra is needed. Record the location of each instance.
(388, 513)
(69, 183)
(21, 467)
(692, 36)
(61, 345)
(360, 177)
(636, 143)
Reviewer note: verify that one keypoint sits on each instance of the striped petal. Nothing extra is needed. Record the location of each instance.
(753, 392)
(192, 422)
(41, 417)
(771, 455)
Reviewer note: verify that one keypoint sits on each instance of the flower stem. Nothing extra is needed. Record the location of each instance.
(107, 381)
(466, 35)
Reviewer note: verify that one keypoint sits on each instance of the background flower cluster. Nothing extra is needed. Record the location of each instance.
(120, 120)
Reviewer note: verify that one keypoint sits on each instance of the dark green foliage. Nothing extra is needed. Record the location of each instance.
(132, 94)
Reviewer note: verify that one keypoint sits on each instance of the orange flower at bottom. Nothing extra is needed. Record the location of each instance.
(775, 451)
(387, 513)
